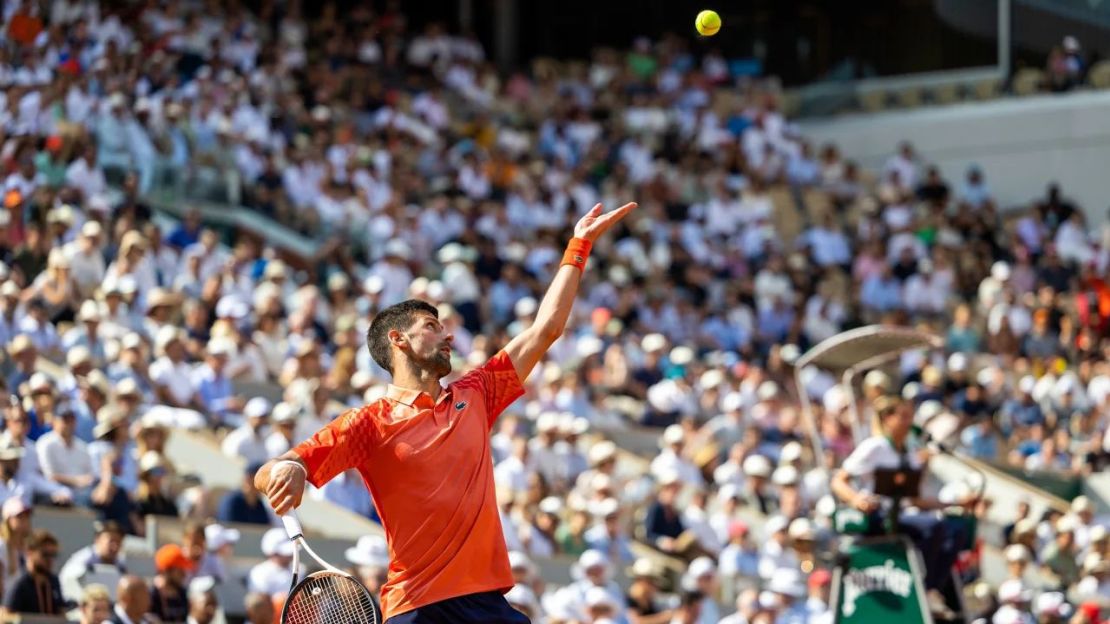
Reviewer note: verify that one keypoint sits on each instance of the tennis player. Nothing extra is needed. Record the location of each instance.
(424, 452)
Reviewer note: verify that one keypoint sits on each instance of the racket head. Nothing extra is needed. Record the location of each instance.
(329, 597)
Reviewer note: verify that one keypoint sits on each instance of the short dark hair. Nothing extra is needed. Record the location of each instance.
(39, 539)
(398, 316)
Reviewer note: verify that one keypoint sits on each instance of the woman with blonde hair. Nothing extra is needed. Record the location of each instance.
(96, 605)
(151, 497)
(15, 528)
(56, 288)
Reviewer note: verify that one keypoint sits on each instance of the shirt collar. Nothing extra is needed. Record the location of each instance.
(410, 396)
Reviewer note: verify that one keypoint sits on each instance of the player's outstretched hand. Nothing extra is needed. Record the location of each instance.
(593, 224)
(285, 487)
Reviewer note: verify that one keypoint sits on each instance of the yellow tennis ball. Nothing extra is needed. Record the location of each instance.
(708, 23)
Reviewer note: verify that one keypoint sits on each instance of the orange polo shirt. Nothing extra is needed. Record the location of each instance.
(428, 466)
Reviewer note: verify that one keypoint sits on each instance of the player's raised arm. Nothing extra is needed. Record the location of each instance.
(528, 347)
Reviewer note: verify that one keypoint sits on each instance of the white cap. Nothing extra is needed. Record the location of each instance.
(1026, 384)
(876, 378)
(548, 421)
(957, 362)
(256, 408)
(732, 402)
(927, 411)
(673, 434)
(835, 399)
(1051, 603)
(776, 524)
(1016, 553)
(1098, 533)
(787, 581)
(791, 451)
(652, 343)
(667, 477)
(728, 491)
(681, 355)
(757, 466)
(700, 567)
(522, 595)
(283, 412)
(592, 558)
(785, 475)
(525, 307)
(220, 346)
(1067, 524)
(1081, 503)
(711, 378)
(276, 542)
(601, 452)
(216, 536)
(606, 508)
(1000, 271)
(801, 528)
(599, 597)
(1013, 590)
(551, 505)
(369, 550)
(767, 391)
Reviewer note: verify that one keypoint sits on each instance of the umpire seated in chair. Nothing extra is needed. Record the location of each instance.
(894, 450)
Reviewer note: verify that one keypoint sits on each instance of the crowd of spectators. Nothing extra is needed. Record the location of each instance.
(436, 176)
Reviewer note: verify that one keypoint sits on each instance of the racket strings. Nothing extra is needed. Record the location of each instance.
(329, 598)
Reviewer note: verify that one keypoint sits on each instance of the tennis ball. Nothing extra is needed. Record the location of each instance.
(708, 23)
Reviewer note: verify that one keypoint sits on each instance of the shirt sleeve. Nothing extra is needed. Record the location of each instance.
(500, 385)
(861, 462)
(341, 444)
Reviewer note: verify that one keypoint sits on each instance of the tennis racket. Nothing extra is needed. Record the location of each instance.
(327, 596)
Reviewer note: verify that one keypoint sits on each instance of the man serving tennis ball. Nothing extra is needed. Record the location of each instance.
(424, 452)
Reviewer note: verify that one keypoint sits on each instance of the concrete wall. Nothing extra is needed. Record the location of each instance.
(1020, 143)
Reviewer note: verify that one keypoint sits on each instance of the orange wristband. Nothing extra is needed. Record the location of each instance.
(578, 251)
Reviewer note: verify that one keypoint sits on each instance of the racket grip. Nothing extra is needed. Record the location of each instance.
(292, 525)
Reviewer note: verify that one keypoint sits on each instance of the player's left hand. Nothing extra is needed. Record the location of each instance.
(593, 224)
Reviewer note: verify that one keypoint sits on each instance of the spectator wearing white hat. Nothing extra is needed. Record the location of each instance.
(248, 441)
(790, 591)
(1014, 598)
(170, 372)
(213, 387)
(594, 583)
(273, 576)
(203, 602)
(523, 599)
(727, 428)
(370, 558)
(663, 525)
(1058, 557)
(670, 459)
(776, 553)
(644, 605)
(220, 543)
(608, 535)
(283, 433)
(701, 577)
(757, 470)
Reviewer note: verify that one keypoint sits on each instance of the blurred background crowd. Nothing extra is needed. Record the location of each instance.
(430, 174)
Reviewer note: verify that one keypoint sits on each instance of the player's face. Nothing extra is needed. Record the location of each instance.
(430, 345)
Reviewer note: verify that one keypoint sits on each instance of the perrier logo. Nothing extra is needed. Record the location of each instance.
(879, 578)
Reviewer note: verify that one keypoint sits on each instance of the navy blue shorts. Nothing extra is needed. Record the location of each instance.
(484, 608)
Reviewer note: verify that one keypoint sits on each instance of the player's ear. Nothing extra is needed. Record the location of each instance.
(397, 338)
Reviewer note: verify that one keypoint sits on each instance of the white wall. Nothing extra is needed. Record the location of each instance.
(1020, 143)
